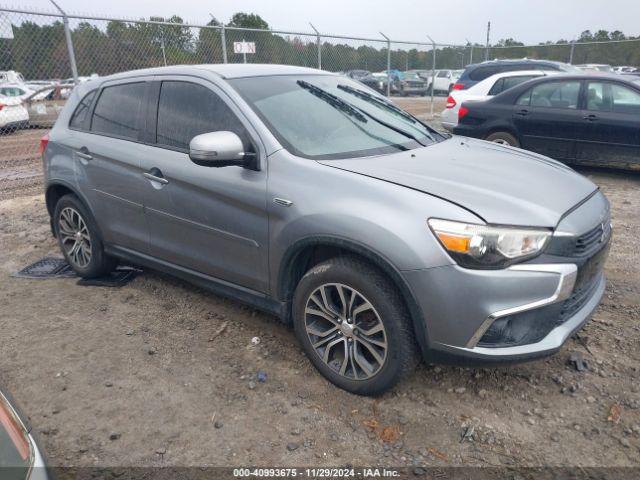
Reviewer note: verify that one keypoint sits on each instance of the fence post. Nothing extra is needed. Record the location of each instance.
(433, 72)
(67, 36)
(224, 44)
(319, 46)
(573, 46)
(388, 64)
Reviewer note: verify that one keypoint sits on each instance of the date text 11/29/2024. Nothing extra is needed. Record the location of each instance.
(316, 472)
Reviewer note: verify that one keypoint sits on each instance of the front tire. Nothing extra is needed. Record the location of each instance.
(354, 326)
(503, 138)
(79, 239)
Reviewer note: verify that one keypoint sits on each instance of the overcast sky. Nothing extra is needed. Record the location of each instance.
(447, 21)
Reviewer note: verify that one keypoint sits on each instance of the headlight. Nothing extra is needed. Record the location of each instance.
(484, 246)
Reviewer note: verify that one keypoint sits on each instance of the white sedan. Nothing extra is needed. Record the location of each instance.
(483, 90)
(13, 114)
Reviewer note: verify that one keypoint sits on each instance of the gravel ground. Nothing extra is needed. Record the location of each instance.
(161, 373)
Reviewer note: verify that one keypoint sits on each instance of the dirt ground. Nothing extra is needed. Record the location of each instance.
(161, 373)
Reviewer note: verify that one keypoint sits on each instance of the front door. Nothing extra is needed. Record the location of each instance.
(547, 118)
(612, 124)
(205, 219)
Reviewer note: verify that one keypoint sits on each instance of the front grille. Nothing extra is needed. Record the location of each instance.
(588, 242)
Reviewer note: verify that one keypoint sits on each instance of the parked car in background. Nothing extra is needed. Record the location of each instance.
(15, 90)
(595, 67)
(304, 194)
(590, 119)
(379, 82)
(20, 456)
(624, 69)
(45, 104)
(444, 81)
(38, 84)
(483, 90)
(412, 84)
(479, 71)
(357, 74)
(13, 114)
(424, 74)
(11, 76)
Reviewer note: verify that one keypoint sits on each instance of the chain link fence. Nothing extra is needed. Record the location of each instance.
(44, 54)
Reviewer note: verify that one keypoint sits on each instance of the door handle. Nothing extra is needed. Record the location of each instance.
(591, 118)
(155, 175)
(84, 153)
(523, 113)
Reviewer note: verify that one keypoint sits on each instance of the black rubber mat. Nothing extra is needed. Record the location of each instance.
(50, 267)
(119, 278)
(47, 267)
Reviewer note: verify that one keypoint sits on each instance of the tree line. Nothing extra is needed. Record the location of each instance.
(39, 50)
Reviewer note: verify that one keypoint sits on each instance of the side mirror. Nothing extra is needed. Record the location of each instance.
(217, 149)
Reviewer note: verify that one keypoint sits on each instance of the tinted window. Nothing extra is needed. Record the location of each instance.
(187, 109)
(611, 97)
(118, 110)
(80, 114)
(443, 74)
(509, 82)
(556, 95)
(481, 73)
(497, 87)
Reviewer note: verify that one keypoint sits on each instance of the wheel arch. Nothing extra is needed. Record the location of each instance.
(55, 191)
(502, 128)
(306, 253)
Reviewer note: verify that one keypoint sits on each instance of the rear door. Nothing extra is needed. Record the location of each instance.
(107, 156)
(548, 120)
(611, 114)
(206, 219)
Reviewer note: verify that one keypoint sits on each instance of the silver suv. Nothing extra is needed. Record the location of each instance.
(308, 195)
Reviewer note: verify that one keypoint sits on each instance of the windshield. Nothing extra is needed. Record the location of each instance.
(329, 117)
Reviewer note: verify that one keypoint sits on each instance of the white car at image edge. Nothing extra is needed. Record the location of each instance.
(483, 90)
(13, 114)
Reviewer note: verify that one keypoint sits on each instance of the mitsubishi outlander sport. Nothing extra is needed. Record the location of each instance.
(308, 195)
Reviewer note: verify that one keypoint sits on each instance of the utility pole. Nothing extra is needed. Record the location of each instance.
(486, 52)
(67, 36)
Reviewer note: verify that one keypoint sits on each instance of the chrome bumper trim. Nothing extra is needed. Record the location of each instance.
(567, 273)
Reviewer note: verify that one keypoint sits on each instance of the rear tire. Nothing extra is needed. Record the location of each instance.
(360, 337)
(503, 138)
(79, 239)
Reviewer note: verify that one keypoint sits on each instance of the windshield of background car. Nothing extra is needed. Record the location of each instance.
(330, 117)
(411, 76)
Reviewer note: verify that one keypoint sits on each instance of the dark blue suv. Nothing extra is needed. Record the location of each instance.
(479, 71)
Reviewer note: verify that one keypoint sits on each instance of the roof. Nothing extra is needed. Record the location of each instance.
(225, 70)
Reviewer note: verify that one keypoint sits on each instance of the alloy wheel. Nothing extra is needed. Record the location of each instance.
(346, 331)
(74, 237)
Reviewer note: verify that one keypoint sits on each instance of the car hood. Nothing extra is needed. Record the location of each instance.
(501, 185)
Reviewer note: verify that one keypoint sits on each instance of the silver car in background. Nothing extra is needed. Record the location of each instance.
(307, 195)
(20, 455)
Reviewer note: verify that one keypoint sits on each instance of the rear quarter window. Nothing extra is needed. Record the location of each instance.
(79, 117)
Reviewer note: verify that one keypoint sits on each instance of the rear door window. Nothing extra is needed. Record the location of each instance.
(118, 111)
(563, 95)
(188, 109)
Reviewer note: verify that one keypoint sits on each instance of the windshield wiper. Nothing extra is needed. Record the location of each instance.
(345, 106)
(368, 97)
(333, 100)
(382, 103)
